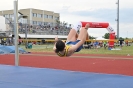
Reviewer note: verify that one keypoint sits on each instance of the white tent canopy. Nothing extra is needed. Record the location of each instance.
(101, 38)
(41, 36)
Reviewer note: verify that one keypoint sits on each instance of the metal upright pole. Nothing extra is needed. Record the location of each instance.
(118, 19)
(16, 32)
(26, 43)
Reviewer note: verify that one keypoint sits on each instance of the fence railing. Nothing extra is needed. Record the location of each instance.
(38, 29)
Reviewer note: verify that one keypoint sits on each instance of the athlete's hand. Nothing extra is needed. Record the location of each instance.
(87, 26)
(56, 38)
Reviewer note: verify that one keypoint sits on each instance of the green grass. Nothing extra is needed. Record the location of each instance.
(48, 48)
(124, 51)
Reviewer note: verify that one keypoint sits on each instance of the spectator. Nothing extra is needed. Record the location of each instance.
(121, 42)
(105, 44)
(126, 43)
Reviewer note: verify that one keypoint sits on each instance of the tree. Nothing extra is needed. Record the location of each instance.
(91, 37)
(121, 38)
(58, 23)
(106, 36)
(126, 38)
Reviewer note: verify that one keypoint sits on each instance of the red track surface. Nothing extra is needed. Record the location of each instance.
(93, 63)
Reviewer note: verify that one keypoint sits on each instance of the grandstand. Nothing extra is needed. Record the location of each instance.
(44, 29)
(38, 24)
(37, 31)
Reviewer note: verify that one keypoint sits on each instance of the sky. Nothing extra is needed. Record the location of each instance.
(72, 11)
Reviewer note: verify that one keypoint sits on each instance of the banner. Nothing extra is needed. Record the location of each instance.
(111, 37)
(95, 24)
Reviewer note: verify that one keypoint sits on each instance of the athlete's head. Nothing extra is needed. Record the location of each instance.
(60, 45)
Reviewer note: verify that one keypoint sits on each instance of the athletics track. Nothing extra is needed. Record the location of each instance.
(88, 71)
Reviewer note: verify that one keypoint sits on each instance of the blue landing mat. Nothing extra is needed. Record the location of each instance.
(27, 77)
(10, 50)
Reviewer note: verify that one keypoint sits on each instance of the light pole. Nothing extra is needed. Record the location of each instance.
(117, 19)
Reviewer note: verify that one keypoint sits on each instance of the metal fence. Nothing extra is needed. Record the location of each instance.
(47, 29)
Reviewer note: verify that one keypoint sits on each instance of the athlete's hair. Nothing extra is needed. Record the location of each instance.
(60, 45)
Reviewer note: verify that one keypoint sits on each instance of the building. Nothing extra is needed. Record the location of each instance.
(35, 21)
(33, 16)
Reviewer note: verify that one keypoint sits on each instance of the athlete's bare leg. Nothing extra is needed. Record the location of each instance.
(83, 34)
(72, 36)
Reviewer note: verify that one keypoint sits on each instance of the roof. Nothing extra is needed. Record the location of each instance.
(41, 36)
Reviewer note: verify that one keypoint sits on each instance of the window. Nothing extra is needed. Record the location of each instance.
(34, 14)
(56, 18)
(51, 24)
(39, 23)
(6, 15)
(50, 17)
(45, 16)
(34, 22)
(45, 23)
(23, 20)
(39, 15)
(7, 21)
(10, 15)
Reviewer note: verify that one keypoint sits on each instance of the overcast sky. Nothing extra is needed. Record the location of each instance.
(85, 10)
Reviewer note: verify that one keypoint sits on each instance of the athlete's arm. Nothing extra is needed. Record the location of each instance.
(54, 48)
(75, 47)
(56, 39)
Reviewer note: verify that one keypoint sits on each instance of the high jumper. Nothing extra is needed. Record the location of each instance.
(74, 43)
